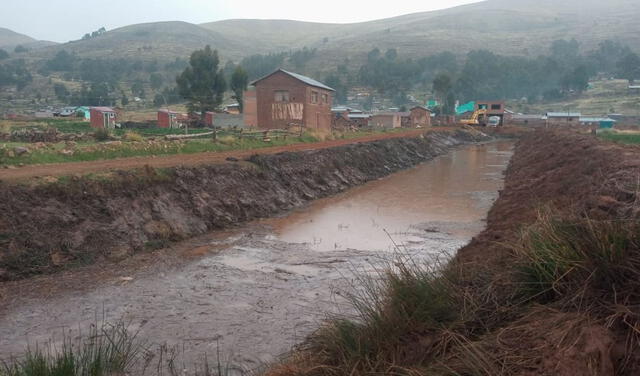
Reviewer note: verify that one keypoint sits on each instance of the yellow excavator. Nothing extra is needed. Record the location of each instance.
(479, 117)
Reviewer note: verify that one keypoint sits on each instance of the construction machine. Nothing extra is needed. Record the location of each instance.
(479, 117)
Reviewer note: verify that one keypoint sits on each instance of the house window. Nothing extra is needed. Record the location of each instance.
(314, 97)
(325, 98)
(281, 96)
(496, 107)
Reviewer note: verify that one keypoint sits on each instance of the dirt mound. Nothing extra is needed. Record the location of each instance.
(549, 288)
(567, 171)
(47, 227)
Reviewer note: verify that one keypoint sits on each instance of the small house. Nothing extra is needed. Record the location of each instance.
(168, 119)
(600, 122)
(83, 112)
(560, 119)
(419, 117)
(103, 117)
(209, 118)
(250, 108)
(386, 120)
(233, 109)
(349, 118)
(493, 108)
(66, 112)
(285, 98)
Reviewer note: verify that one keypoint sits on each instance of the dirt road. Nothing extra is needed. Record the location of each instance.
(73, 168)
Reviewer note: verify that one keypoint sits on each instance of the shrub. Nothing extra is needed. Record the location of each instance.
(133, 136)
(102, 134)
(227, 140)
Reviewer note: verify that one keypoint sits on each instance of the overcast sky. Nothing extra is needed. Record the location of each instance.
(64, 20)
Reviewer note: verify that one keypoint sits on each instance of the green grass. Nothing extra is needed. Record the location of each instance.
(623, 138)
(569, 258)
(415, 319)
(106, 350)
(110, 350)
(93, 151)
(129, 149)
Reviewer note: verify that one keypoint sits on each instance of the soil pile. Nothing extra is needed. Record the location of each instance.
(551, 287)
(46, 227)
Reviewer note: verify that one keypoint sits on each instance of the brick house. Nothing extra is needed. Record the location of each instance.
(285, 98)
(494, 108)
(386, 120)
(250, 109)
(168, 119)
(419, 117)
(103, 117)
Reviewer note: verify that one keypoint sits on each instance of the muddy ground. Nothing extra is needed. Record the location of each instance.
(47, 227)
(571, 174)
(255, 291)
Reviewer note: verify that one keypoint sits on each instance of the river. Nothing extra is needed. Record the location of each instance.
(257, 290)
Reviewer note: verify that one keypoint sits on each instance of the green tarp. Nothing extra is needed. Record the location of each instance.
(464, 108)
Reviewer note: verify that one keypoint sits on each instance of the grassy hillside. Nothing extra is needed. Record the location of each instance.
(10, 39)
(519, 27)
(516, 27)
(159, 40)
(605, 97)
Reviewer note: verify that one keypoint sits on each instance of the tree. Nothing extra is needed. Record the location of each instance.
(137, 89)
(442, 85)
(449, 106)
(391, 54)
(61, 91)
(202, 83)
(629, 67)
(124, 100)
(20, 49)
(239, 82)
(156, 80)
(62, 62)
(3, 54)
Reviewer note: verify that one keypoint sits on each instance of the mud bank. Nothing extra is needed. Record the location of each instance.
(48, 227)
(590, 328)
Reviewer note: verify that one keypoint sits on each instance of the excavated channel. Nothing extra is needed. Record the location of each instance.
(257, 290)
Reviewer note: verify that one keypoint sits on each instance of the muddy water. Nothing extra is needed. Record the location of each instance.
(258, 290)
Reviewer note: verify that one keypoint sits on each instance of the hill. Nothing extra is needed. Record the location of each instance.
(515, 27)
(512, 27)
(159, 40)
(10, 39)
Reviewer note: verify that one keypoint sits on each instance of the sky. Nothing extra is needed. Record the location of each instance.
(64, 20)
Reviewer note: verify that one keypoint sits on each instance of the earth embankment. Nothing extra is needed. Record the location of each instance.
(50, 226)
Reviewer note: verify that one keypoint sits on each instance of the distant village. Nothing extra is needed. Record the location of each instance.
(285, 99)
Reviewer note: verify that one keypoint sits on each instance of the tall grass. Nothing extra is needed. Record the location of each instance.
(407, 317)
(435, 319)
(579, 258)
(106, 350)
(112, 350)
